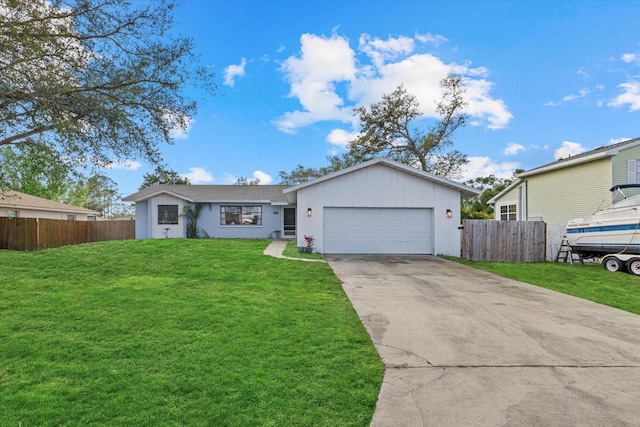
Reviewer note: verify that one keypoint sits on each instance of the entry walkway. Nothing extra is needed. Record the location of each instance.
(277, 246)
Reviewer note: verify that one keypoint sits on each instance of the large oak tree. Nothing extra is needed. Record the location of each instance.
(388, 128)
(94, 80)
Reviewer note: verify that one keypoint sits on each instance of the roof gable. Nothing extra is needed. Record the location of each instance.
(464, 189)
(213, 193)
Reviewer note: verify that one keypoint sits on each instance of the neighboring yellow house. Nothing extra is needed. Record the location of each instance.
(15, 204)
(571, 187)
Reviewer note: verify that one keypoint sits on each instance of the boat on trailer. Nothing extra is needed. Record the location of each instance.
(611, 231)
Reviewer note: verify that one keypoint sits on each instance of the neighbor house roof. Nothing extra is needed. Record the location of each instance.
(465, 190)
(16, 200)
(588, 156)
(214, 193)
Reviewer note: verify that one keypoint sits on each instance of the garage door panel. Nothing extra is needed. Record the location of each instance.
(378, 231)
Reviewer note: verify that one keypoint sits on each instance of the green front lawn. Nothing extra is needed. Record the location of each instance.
(291, 250)
(589, 281)
(179, 332)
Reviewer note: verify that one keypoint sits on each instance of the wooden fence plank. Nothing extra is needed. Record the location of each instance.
(26, 234)
(504, 241)
(18, 234)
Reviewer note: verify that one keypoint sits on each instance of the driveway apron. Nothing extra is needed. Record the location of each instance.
(463, 347)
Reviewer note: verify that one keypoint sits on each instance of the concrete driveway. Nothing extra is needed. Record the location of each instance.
(467, 348)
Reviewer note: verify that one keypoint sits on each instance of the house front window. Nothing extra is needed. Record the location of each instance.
(240, 215)
(508, 213)
(167, 214)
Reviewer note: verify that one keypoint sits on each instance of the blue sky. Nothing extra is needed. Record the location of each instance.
(545, 79)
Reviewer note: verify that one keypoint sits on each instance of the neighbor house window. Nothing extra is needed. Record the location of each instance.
(12, 214)
(167, 214)
(71, 217)
(508, 212)
(240, 215)
(91, 218)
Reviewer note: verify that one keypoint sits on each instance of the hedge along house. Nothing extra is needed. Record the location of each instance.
(377, 207)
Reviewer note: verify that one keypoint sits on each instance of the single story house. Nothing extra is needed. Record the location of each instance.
(377, 207)
(571, 187)
(20, 205)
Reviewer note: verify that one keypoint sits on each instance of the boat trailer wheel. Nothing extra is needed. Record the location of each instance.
(633, 266)
(613, 264)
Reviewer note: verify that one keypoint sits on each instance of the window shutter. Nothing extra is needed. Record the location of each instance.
(631, 171)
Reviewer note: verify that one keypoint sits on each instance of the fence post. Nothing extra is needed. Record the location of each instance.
(38, 237)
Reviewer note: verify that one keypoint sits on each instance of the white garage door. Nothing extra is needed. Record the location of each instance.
(378, 231)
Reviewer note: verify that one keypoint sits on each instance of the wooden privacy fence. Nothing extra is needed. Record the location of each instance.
(505, 241)
(27, 234)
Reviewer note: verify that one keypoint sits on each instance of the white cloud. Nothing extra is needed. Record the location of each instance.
(583, 73)
(324, 66)
(630, 95)
(198, 175)
(233, 71)
(568, 149)
(179, 125)
(581, 94)
(228, 178)
(381, 51)
(571, 97)
(513, 149)
(263, 177)
(484, 166)
(130, 165)
(322, 63)
(630, 57)
(617, 140)
(341, 137)
(434, 39)
(481, 105)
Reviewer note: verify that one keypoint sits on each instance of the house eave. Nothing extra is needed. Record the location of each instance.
(494, 199)
(154, 194)
(465, 190)
(569, 162)
(235, 201)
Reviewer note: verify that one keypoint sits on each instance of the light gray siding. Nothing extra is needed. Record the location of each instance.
(380, 186)
(166, 230)
(142, 220)
(209, 221)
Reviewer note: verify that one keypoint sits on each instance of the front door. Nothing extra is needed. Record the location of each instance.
(289, 222)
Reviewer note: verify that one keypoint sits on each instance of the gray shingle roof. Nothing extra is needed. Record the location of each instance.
(601, 149)
(17, 200)
(214, 193)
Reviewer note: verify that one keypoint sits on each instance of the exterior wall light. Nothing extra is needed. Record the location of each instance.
(449, 213)
(309, 212)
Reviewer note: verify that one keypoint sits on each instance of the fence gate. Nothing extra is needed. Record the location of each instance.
(504, 241)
